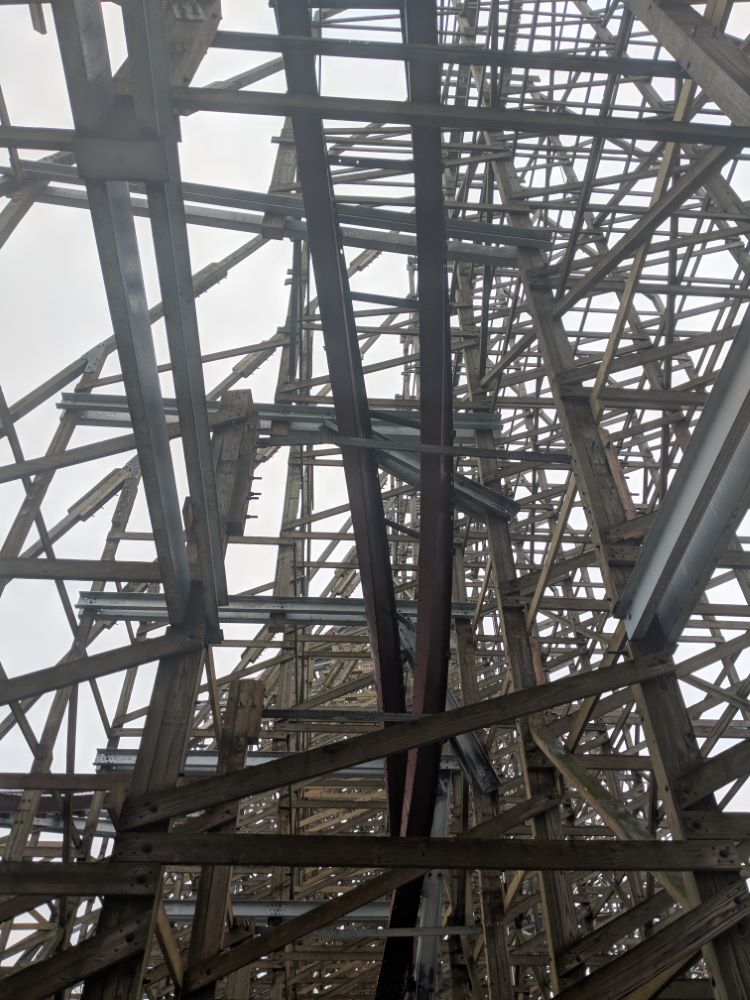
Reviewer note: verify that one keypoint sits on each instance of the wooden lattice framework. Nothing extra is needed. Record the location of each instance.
(484, 731)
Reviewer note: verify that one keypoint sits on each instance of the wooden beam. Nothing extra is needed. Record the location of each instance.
(170, 949)
(171, 710)
(714, 773)
(709, 56)
(241, 725)
(86, 668)
(91, 452)
(712, 824)
(637, 235)
(613, 931)
(41, 980)
(49, 879)
(317, 850)
(81, 569)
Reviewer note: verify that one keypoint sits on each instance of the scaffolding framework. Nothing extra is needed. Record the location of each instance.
(484, 733)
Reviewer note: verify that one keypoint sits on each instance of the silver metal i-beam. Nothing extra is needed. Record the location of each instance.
(704, 504)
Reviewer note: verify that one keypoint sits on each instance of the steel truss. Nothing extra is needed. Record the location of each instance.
(484, 732)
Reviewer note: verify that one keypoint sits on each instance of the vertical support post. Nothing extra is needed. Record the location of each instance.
(171, 711)
(242, 718)
(669, 728)
(556, 899)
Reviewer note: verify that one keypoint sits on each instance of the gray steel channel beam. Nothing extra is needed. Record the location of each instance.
(704, 504)
(97, 409)
(293, 208)
(462, 55)
(129, 606)
(80, 30)
(348, 390)
(276, 909)
(396, 430)
(379, 235)
(204, 762)
(466, 495)
(148, 51)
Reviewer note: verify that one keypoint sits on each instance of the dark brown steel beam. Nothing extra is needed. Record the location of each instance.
(436, 477)
(348, 390)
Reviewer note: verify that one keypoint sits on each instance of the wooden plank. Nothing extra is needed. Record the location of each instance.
(614, 930)
(126, 571)
(602, 487)
(692, 179)
(711, 58)
(714, 773)
(91, 452)
(402, 736)
(241, 726)
(316, 850)
(675, 750)
(171, 711)
(169, 946)
(712, 824)
(86, 668)
(48, 879)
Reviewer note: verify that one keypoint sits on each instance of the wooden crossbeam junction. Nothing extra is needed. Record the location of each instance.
(404, 654)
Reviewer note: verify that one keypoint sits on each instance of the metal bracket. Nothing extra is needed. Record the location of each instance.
(187, 10)
(108, 159)
(94, 356)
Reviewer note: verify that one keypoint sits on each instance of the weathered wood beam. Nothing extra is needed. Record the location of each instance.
(240, 726)
(316, 850)
(709, 56)
(690, 181)
(671, 737)
(99, 449)
(614, 930)
(44, 979)
(172, 707)
(46, 879)
(87, 668)
(713, 773)
(125, 571)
